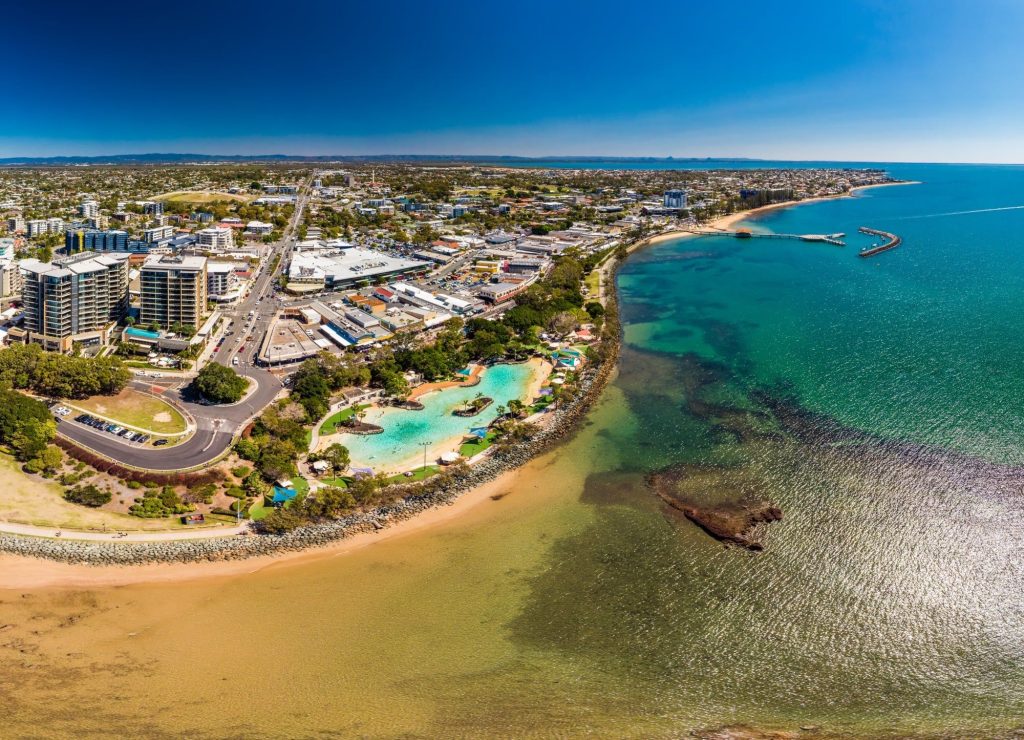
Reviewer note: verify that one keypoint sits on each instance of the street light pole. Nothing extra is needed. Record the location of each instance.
(424, 445)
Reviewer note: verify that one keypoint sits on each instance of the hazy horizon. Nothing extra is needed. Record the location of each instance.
(457, 157)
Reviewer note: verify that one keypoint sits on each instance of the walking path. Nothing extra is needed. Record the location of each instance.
(30, 530)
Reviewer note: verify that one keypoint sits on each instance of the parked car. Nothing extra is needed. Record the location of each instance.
(160, 443)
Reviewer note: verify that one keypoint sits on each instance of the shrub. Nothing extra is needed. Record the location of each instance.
(88, 495)
(240, 471)
(154, 504)
(203, 493)
(234, 492)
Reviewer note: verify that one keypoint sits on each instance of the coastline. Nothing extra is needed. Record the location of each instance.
(731, 219)
(19, 572)
(36, 562)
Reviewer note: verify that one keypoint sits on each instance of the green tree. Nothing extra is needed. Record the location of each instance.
(395, 385)
(220, 384)
(255, 485)
(337, 456)
(329, 502)
(281, 521)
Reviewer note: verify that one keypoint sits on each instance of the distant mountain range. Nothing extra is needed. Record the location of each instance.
(173, 158)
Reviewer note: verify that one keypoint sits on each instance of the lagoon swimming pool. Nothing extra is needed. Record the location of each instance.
(403, 429)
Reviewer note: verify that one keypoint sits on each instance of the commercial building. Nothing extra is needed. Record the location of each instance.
(74, 299)
(216, 237)
(259, 227)
(675, 199)
(174, 290)
(222, 283)
(95, 241)
(157, 234)
(501, 292)
(36, 227)
(319, 265)
(89, 209)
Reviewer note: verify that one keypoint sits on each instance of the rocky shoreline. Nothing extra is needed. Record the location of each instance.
(560, 424)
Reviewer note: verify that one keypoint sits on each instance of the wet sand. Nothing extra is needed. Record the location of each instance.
(24, 573)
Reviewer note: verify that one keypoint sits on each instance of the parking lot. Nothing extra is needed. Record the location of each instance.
(101, 425)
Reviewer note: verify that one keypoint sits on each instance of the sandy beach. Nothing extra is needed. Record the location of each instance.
(425, 388)
(730, 220)
(18, 573)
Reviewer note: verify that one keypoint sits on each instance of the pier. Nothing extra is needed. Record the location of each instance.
(892, 241)
(747, 234)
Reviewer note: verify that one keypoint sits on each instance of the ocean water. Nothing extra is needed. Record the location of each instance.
(435, 424)
(875, 401)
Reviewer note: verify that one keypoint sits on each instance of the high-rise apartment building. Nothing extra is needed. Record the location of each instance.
(95, 241)
(174, 290)
(77, 298)
(675, 199)
(216, 237)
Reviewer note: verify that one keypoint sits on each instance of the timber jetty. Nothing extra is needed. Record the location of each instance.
(748, 234)
(891, 242)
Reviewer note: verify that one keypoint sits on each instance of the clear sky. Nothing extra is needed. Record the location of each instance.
(936, 80)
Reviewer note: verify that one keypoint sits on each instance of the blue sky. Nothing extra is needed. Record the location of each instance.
(893, 81)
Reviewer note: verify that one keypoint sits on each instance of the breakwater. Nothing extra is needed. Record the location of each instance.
(891, 242)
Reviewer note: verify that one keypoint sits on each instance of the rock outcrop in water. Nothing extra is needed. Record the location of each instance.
(732, 521)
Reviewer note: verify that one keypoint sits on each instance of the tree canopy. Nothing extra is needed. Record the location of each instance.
(220, 384)
(61, 376)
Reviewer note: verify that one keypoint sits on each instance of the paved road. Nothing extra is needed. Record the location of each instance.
(215, 428)
(215, 425)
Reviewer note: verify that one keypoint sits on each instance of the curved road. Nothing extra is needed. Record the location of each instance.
(215, 428)
(215, 425)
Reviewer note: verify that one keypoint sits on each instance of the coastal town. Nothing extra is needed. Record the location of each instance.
(194, 352)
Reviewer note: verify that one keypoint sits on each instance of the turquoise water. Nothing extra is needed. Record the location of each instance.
(919, 343)
(132, 331)
(879, 403)
(404, 430)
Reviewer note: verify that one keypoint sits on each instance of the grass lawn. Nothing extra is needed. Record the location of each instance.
(331, 425)
(202, 196)
(134, 409)
(472, 448)
(593, 281)
(258, 510)
(417, 475)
